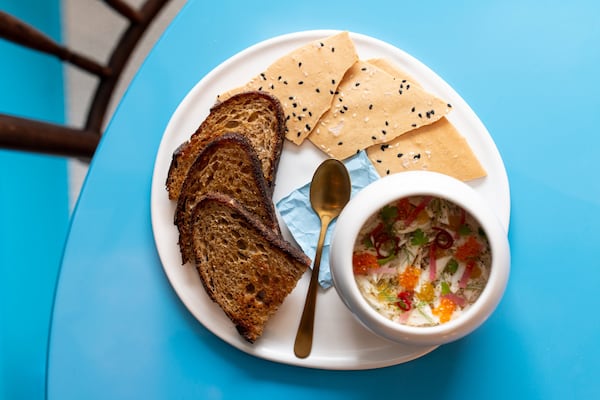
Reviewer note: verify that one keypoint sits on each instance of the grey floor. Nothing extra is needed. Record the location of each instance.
(91, 27)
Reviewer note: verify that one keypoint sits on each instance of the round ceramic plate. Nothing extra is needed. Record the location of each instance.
(340, 342)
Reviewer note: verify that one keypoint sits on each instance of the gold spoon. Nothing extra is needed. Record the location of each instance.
(329, 193)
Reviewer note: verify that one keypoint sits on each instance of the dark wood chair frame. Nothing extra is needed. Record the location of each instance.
(30, 135)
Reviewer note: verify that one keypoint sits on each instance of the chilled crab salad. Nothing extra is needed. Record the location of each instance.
(421, 261)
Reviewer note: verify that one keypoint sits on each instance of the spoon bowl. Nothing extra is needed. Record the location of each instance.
(329, 192)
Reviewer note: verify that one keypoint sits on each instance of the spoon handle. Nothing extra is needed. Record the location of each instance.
(304, 336)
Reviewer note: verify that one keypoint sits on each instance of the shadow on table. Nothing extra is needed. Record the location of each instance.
(453, 370)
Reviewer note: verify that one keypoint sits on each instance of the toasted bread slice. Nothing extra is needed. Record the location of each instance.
(227, 165)
(258, 116)
(246, 268)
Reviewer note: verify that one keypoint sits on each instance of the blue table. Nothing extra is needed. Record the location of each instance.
(120, 331)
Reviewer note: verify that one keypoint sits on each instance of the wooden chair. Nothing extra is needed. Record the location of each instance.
(25, 134)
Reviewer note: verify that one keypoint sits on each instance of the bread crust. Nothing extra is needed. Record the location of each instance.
(229, 165)
(242, 113)
(260, 268)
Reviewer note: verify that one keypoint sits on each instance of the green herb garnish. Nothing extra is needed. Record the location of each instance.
(445, 288)
(389, 214)
(452, 266)
(418, 238)
(464, 230)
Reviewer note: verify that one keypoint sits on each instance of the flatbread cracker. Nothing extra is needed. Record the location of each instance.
(305, 81)
(373, 107)
(437, 147)
(393, 70)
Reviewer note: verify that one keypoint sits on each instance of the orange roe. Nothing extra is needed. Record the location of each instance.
(444, 310)
(409, 277)
(426, 293)
(468, 250)
(363, 262)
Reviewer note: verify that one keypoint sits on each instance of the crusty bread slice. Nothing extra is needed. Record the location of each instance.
(256, 115)
(227, 165)
(246, 268)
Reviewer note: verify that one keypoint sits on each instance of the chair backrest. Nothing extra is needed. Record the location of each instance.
(37, 136)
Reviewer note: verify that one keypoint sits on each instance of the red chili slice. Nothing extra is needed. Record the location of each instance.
(443, 239)
(417, 210)
(405, 300)
(384, 244)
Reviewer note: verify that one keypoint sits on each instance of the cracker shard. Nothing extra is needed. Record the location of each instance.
(305, 81)
(373, 107)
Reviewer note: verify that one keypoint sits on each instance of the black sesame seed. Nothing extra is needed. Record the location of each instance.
(287, 118)
(309, 114)
(317, 90)
(340, 143)
(298, 134)
(363, 69)
(262, 75)
(285, 82)
(407, 86)
(291, 98)
(387, 123)
(300, 82)
(333, 81)
(299, 117)
(420, 115)
(384, 146)
(294, 105)
(272, 86)
(279, 78)
(417, 156)
(449, 105)
(307, 126)
(414, 125)
(384, 131)
(342, 111)
(331, 91)
(345, 108)
(428, 114)
(333, 49)
(370, 106)
(357, 84)
(403, 80)
(340, 99)
(432, 112)
(387, 172)
(412, 109)
(400, 91)
(260, 89)
(322, 44)
(378, 161)
(357, 151)
(299, 64)
(399, 155)
(374, 137)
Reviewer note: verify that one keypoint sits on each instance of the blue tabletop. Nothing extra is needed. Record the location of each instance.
(529, 71)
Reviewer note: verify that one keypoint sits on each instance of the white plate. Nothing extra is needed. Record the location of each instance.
(340, 342)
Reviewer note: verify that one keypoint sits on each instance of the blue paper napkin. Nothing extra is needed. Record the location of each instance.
(303, 222)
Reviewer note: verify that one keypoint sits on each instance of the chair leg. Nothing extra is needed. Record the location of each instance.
(43, 137)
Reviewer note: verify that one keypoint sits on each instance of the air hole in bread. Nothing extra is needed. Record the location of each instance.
(241, 244)
(261, 295)
(232, 124)
(253, 117)
(250, 288)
